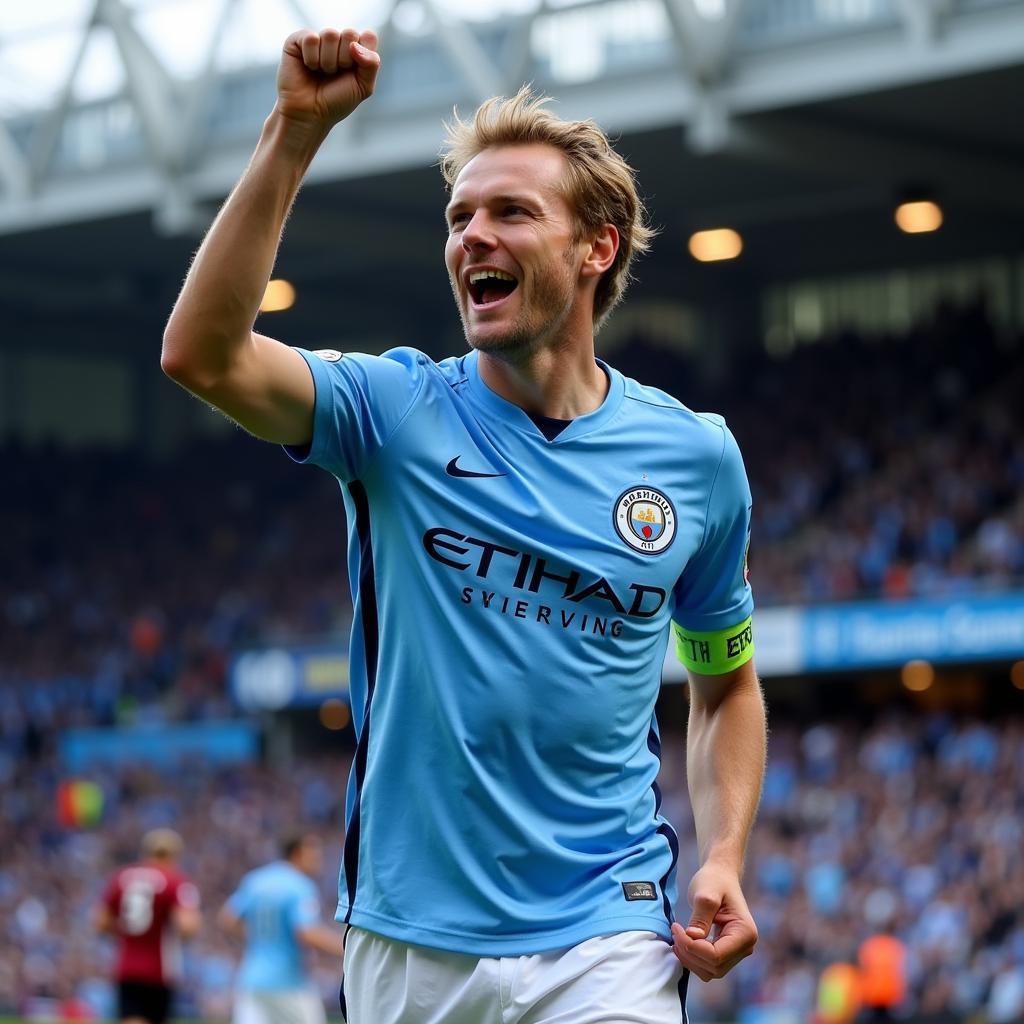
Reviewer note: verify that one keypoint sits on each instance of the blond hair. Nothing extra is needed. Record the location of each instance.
(162, 843)
(599, 185)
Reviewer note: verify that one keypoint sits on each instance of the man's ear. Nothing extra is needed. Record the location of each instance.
(601, 251)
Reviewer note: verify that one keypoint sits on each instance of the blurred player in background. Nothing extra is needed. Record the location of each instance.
(276, 910)
(525, 525)
(150, 907)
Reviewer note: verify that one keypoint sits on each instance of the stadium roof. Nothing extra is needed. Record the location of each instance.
(798, 123)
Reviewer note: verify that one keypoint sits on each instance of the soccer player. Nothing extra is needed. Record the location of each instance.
(150, 907)
(276, 909)
(526, 526)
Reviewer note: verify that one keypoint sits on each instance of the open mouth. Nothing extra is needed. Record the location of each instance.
(488, 288)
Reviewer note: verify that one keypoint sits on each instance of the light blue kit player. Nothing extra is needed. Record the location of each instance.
(526, 529)
(276, 910)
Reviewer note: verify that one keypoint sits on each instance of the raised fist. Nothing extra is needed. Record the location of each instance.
(324, 76)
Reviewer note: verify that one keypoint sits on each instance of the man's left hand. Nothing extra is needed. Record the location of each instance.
(721, 931)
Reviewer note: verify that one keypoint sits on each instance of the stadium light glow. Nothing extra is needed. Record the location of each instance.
(715, 244)
(280, 294)
(334, 714)
(1017, 674)
(917, 675)
(919, 217)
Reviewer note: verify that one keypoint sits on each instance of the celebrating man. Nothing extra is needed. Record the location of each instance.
(524, 525)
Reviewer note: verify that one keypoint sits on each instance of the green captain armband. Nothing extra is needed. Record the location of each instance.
(715, 653)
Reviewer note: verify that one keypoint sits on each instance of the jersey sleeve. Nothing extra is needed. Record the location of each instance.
(360, 401)
(238, 901)
(711, 622)
(112, 894)
(304, 908)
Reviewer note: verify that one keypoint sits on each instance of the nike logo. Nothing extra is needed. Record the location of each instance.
(452, 469)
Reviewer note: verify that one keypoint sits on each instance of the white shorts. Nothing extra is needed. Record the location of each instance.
(301, 1006)
(628, 978)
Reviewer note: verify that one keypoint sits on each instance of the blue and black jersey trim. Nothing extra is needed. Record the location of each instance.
(367, 602)
(666, 830)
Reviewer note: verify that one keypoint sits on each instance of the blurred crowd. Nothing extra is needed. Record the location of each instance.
(53, 965)
(126, 583)
(881, 466)
(911, 826)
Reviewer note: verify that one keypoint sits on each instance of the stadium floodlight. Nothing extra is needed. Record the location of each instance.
(1017, 674)
(918, 675)
(715, 244)
(334, 714)
(280, 294)
(918, 217)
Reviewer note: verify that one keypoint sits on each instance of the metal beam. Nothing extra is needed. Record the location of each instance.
(464, 52)
(705, 33)
(391, 136)
(976, 40)
(149, 86)
(924, 19)
(48, 130)
(14, 168)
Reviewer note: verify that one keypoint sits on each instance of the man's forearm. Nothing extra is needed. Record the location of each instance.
(212, 320)
(725, 758)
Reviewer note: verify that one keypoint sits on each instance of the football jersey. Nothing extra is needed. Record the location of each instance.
(512, 599)
(141, 899)
(274, 902)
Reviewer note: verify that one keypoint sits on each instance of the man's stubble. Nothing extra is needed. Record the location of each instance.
(534, 325)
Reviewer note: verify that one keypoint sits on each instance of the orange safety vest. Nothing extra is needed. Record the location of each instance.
(882, 971)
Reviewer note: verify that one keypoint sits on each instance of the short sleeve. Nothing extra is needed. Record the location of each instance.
(360, 401)
(112, 894)
(238, 901)
(713, 600)
(304, 911)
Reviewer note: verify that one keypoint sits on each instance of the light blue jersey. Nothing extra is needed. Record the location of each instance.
(274, 902)
(512, 599)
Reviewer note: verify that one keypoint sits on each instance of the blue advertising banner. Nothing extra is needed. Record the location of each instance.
(876, 634)
(866, 635)
(787, 641)
(160, 744)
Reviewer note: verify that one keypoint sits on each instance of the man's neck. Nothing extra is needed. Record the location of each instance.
(559, 383)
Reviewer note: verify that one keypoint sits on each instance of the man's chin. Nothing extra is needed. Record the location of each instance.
(497, 340)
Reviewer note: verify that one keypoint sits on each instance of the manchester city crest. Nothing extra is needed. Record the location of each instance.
(645, 519)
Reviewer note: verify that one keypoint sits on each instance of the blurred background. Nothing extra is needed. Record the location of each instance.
(840, 272)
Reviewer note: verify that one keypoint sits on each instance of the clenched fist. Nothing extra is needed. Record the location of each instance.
(325, 75)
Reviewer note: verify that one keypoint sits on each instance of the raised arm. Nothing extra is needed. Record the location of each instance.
(209, 346)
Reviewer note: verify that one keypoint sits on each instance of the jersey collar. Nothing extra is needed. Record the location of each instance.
(514, 416)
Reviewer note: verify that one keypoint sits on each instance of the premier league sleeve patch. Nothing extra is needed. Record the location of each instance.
(328, 355)
(645, 519)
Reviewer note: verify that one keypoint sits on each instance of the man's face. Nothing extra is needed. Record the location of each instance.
(507, 214)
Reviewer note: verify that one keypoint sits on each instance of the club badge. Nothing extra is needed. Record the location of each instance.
(645, 519)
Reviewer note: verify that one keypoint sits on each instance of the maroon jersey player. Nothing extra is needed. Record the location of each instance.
(150, 907)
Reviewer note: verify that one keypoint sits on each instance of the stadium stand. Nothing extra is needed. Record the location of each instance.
(126, 596)
(906, 823)
(860, 489)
